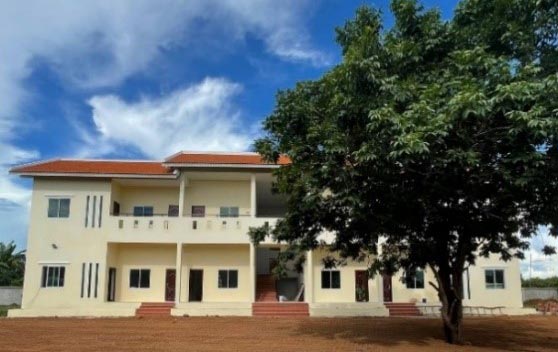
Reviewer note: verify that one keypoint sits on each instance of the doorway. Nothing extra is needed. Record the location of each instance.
(195, 291)
(386, 279)
(361, 286)
(170, 285)
(111, 285)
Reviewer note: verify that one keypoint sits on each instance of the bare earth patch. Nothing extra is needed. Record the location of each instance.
(535, 333)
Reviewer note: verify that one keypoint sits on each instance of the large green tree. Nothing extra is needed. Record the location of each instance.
(12, 265)
(438, 136)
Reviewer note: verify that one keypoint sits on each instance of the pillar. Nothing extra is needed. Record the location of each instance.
(309, 278)
(253, 272)
(181, 195)
(253, 195)
(178, 279)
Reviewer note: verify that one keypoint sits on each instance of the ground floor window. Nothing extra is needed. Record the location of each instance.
(140, 278)
(416, 280)
(228, 279)
(494, 278)
(331, 279)
(53, 276)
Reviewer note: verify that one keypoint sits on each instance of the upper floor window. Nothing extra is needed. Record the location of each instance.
(140, 278)
(173, 210)
(331, 279)
(415, 281)
(228, 279)
(198, 211)
(143, 210)
(53, 276)
(58, 207)
(228, 212)
(494, 278)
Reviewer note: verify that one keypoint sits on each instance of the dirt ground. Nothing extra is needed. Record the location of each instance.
(535, 333)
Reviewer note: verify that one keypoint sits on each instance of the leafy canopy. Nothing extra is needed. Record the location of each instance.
(438, 136)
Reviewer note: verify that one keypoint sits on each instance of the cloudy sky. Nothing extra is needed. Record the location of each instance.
(144, 78)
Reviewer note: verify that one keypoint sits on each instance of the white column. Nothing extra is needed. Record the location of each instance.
(181, 195)
(253, 195)
(309, 279)
(178, 279)
(253, 272)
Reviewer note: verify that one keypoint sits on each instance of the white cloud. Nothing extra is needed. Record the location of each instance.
(536, 263)
(199, 117)
(92, 44)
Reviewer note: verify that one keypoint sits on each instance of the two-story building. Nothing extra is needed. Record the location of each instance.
(120, 237)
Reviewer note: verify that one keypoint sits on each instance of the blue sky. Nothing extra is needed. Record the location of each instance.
(144, 79)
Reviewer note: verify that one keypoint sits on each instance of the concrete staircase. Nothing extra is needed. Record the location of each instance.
(280, 309)
(402, 309)
(154, 309)
(266, 290)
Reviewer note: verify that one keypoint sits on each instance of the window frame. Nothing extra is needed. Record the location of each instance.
(331, 273)
(227, 272)
(411, 280)
(494, 285)
(228, 213)
(140, 272)
(57, 214)
(143, 208)
(58, 271)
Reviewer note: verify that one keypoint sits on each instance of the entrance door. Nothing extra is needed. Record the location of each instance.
(195, 292)
(170, 285)
(387, 288)
(111, 284)
(361, 286)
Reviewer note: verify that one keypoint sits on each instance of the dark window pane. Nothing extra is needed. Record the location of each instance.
(233, 279)
(326, 279)
(53, 208)
(144, 277)
(419, 279)
(233, 212)
(44, 278)
(224, 212)
(409, 280)
(173, 210)
(489, 276)
(62, 275)
(499, 276)
(335, 279)
(223, 279)
(198, 211)
(64, 211)
(138, 211)
(134, 278)
(51, 276)
(147, 211)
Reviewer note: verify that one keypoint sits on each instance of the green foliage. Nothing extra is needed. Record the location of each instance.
(540, 282)
(439, 136)
(12, 265)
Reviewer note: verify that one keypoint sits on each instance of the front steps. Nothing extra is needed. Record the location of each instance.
(280, 309)
(155, 309)
(402, 309)
(266, 290)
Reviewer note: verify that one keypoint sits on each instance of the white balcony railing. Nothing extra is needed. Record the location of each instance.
(184, 229)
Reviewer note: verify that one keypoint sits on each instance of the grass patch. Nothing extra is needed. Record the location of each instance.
(4, 309)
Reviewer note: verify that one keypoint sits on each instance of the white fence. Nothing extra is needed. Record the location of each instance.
(539, 293)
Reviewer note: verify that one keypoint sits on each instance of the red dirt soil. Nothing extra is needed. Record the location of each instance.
(535, 333)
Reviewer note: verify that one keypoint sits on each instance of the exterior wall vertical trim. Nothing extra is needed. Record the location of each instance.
(309, 278)
(253, 195)
(178, 278)
(252, 272)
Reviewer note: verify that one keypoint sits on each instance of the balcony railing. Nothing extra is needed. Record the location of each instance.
(208, 229)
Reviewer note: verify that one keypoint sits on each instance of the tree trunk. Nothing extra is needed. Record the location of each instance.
(450, 288)
(452, 316)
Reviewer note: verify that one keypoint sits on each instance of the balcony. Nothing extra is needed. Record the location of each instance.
(187, 229)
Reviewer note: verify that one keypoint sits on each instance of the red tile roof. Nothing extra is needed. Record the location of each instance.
(97, 167)
(222, 159)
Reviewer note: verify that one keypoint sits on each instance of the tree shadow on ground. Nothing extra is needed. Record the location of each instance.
(534, 333)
